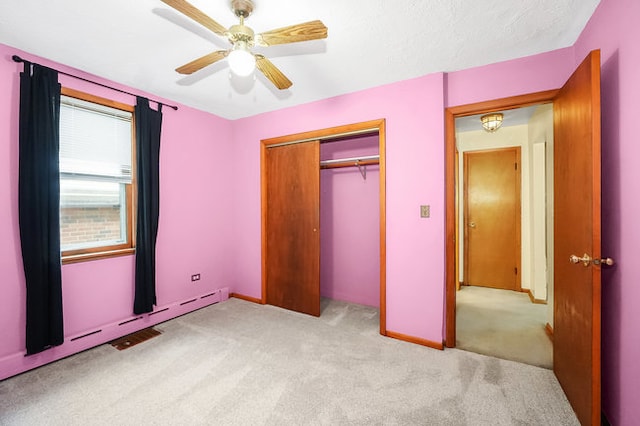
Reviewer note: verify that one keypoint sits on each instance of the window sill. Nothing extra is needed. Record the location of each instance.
(86, 257)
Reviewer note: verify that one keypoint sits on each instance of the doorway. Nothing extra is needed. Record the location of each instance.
(456, 140)
(274, 262)
(500, 310)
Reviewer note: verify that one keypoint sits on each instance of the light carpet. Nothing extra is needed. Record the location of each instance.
(504, 324)
(239, 363)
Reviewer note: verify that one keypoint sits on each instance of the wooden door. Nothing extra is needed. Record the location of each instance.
(492, 218)
(292, 251)
(576, 349)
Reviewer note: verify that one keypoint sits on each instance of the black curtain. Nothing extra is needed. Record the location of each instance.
(39, 205)
(148, 126)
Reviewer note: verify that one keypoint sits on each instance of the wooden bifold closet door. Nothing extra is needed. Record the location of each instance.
(292, 251)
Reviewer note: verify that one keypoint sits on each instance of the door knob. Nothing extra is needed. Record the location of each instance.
(605, 261)
(586, 260)
(472, 224)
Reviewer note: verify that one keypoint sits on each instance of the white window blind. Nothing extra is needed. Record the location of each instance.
(95, 141)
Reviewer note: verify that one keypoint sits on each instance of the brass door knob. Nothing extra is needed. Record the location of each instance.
(586, 260)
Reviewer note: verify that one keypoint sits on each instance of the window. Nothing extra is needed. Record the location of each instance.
(96, 183)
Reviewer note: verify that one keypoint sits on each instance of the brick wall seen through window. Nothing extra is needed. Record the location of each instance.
(80, 224)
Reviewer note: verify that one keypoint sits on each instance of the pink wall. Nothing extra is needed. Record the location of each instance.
(194, 231)
(530, 74)
(614, 29)
(350, 225)
(414, 115)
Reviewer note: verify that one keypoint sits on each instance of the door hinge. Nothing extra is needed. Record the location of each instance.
(516, 166)
(515, 270)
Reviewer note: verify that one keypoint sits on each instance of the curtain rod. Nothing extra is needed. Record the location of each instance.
(18, 59)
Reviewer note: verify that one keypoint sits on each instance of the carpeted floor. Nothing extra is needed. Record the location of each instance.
(504, 324)
(239, 363)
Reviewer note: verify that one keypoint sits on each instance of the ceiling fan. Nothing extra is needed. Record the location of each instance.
(242, 38)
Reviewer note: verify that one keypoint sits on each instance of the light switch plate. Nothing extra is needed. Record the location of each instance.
(425, 211)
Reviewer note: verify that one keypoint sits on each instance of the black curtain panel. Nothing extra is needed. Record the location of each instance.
(148, 126)
(39, 205)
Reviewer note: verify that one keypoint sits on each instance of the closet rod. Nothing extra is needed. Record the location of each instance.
(350, 160)
(350, 164)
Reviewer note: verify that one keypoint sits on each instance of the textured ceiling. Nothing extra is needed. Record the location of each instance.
(371, 42)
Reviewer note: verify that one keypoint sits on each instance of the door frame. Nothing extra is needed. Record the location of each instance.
(451, 260)
(367, 127)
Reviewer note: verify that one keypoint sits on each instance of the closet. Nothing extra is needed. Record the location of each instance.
(323, 218)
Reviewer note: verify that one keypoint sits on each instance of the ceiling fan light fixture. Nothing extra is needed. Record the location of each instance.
(241, 61)
(492, 122)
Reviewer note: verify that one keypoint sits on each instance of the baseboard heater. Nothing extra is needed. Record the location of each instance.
(222, 293)
(209, 295)
(86, 335)
(157, 312)
(128, 321)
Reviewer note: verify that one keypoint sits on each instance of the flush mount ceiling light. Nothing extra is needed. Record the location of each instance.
(492, 122)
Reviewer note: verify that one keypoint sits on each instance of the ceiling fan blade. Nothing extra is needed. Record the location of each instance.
(272, 73)
(197, 15)
(312, 30)
(202, 62)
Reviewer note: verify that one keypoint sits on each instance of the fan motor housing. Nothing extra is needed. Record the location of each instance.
(241, 33)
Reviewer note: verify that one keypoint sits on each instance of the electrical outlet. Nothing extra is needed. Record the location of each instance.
(425, 211)
(195, 277)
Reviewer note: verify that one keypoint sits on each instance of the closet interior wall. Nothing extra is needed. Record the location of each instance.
(350, 223)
